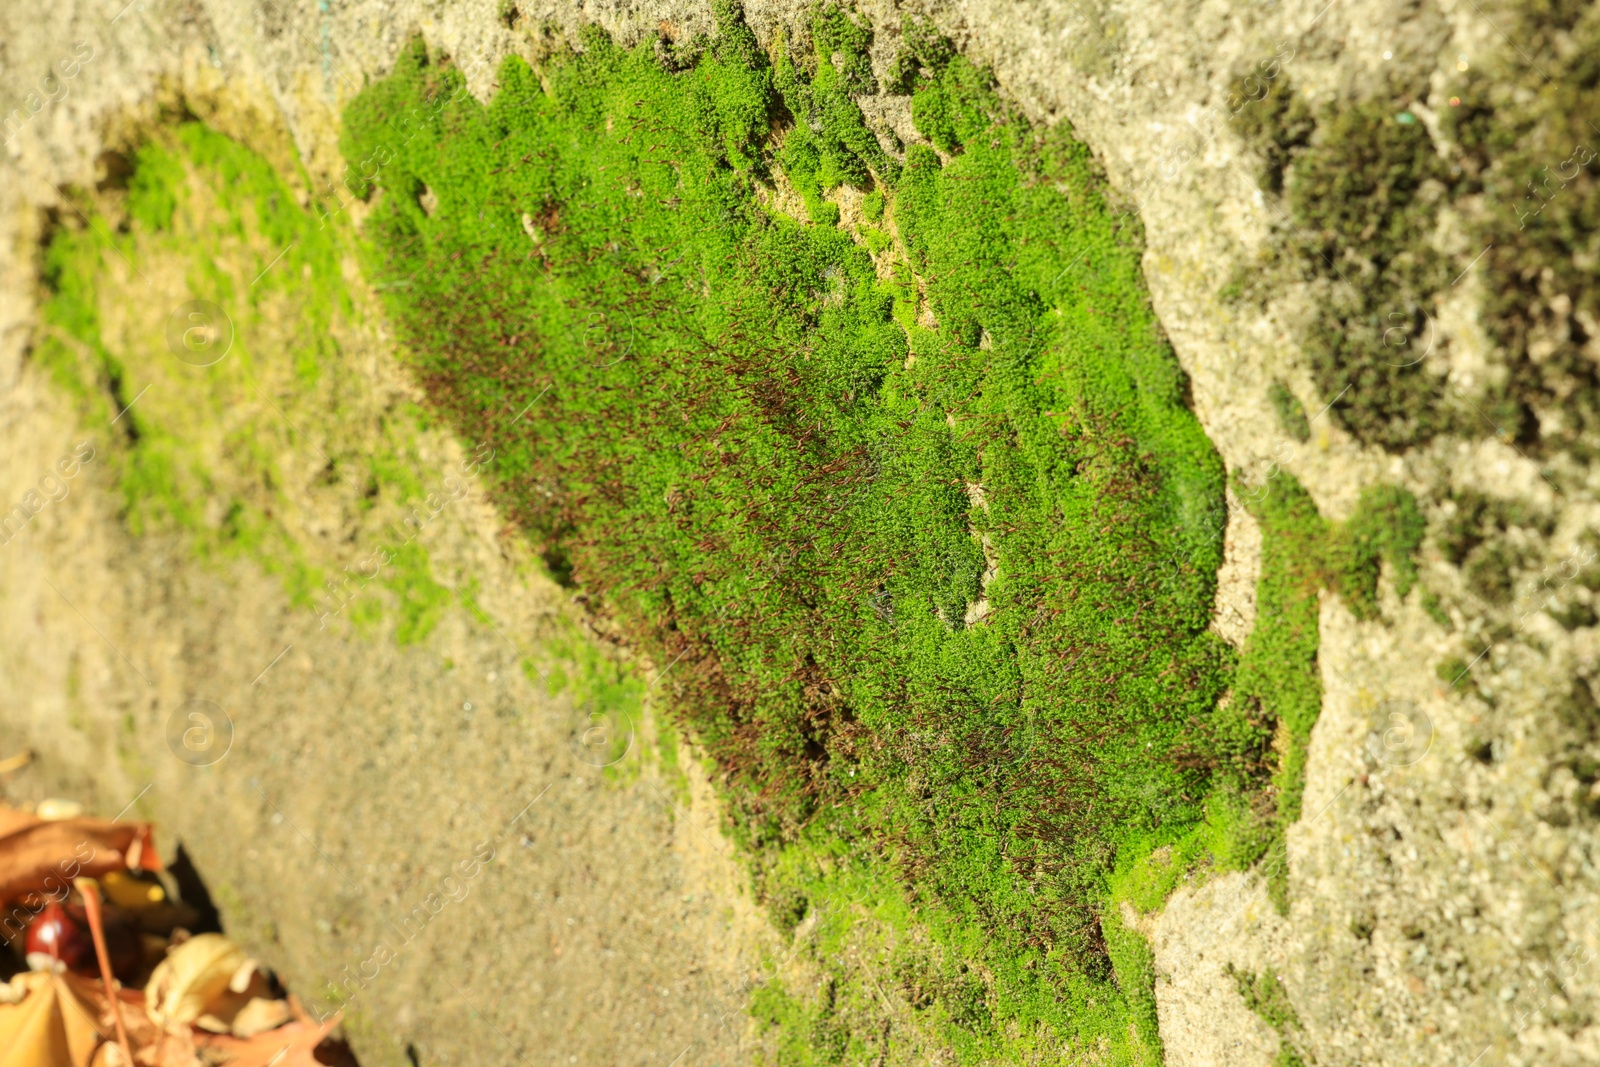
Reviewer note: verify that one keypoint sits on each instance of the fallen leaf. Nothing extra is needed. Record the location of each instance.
(290, 1045)
(13, 819)
(168, 1049)
(247, 1007)
(259, 1016)
(37, 856)
(53, 1026)
(153, 1046)
(194, 976)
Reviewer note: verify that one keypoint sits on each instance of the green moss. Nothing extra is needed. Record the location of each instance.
(1361, 188)
(1265, 728)
(828, 143)
(872, 207)
(875, 240)
(1273, 119)
(1363, 196)
(984, 1003)
(923, 53)
(421, 600)
(1277, 689)
(1239, 829)
(1434, 606)
(807, 1030)
(200, 456)
(153, 188)
(667, 737)
(1265, 995)
(1291, 414)
(1488, 537)
(1135, 967)
(739, 456)
(1287, 1056)
(1387, 526)
(1527, 155)
(1451, 670)
(935, 553)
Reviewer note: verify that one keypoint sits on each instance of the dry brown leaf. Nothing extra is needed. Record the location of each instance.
(152, 1046)
(290, 1045)
(246, 1011)
(13, 819)
(173, 1048)
(37, 856)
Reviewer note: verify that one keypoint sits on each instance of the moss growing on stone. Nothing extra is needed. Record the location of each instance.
(921, 517)
(828, 143)
(1273, 120)
(1364, 179)
(1525, 141)
(206, 454)
(1291, 413)
(787, 475)
(1362, 196)
(1265, 995)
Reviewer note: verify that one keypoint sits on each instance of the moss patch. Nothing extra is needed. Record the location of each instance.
(913, 515)
(210, 446)
(1364, 180)
(1265, 995)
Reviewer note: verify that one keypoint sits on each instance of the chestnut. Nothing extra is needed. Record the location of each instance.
(56, 936)
(60, 934)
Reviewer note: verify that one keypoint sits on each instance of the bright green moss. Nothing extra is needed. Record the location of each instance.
(1387, 526)
(808, 1031)
(1135, 968)
(154, 186)
(827, 144)
(933, 554)
(1277, 693)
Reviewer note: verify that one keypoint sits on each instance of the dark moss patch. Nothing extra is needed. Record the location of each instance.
(1272, 118)
(1529, 159)
(1491, 539)
(1387, 526)
(1364, 179)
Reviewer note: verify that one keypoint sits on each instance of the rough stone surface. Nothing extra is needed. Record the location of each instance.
(1443, 908)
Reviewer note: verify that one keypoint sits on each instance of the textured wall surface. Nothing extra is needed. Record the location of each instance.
(1439, 913)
